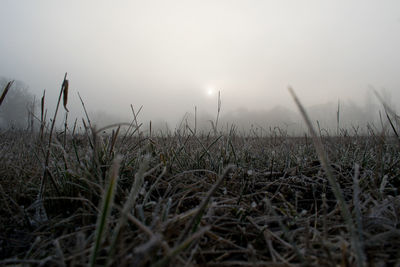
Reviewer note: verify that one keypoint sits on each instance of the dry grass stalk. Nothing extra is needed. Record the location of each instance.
(5, 91)
(47, 159)
(215, 127)
(84, 109)
(42, 114)
(323, 157)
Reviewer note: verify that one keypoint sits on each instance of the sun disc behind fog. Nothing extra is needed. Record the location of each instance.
(210, 91)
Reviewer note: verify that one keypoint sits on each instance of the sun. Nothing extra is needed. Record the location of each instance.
(210, 91)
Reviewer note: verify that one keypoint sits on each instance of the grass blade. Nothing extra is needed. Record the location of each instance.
(205, 201)
(105, 210)
(323, 157)
(5, 91)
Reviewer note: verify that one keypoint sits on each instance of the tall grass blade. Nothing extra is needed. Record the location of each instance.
(393, 128)
(42, 115)
(335, 186)
(338, 119)
(84, 109)
(195, 120)
(389, 110)
(130, 202)
(218, 111)
(357, 209)
(47, 159)
(5, 91)
(105, 210)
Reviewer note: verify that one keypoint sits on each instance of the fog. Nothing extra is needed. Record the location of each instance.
(173, 56)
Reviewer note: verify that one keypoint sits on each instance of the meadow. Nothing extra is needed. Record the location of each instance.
(120, 196)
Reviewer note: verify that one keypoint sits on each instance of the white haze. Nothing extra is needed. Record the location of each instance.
(166, 55)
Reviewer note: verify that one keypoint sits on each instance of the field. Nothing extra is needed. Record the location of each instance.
(126, 197)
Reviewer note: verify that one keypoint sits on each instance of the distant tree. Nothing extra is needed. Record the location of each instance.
(17, 105)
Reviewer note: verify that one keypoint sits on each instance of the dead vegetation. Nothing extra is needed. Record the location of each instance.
(127, 198)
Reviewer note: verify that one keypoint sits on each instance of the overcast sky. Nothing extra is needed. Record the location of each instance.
(170, 56)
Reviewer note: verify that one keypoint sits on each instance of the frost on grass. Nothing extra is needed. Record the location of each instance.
(275, 208)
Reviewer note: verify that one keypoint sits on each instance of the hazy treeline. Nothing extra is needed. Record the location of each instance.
(329, 118)
(19, 105)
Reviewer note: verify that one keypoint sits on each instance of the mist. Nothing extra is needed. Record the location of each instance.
(171, 57)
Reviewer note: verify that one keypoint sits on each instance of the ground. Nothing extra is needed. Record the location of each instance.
(218, 200)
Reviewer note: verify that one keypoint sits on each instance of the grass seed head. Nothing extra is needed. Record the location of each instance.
(65, 94)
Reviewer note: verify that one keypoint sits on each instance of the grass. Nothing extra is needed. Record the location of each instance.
(186, 198)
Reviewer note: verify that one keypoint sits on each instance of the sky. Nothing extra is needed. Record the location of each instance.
(171, 56)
